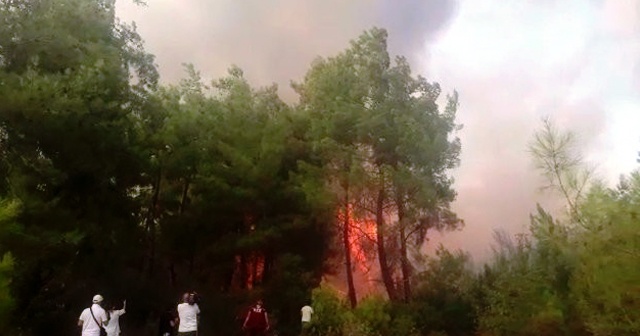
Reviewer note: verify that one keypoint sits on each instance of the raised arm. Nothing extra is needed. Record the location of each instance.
(266, 318)
(244, 325)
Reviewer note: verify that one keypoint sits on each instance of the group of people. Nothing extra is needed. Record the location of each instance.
(96, 321)
(187, 319)
(255, 323)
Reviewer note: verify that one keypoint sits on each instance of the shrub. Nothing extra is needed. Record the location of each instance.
(330, 313)
(6, 301)
(373, 313)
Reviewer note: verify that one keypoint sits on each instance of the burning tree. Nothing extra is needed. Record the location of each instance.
(385, 148)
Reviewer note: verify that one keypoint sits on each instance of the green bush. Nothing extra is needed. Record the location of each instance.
(402, 321)
(443, 299)
(372, 312)
(353, 326)
(330, 313)
(6, 301)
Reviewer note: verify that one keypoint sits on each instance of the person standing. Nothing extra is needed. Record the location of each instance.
(188, 315)
(113, 327)
(168, 322)
(93, 318)
(257, 321)
(306, 313)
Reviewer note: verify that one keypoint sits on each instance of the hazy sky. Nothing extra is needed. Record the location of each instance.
(512, 62)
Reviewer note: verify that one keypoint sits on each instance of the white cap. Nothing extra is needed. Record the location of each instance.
(97, 298)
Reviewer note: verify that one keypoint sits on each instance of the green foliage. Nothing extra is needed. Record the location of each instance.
(373, 313)
(225, 178)
(382, 145)
(218, 185)
(330, 312)
(519, 299)
(573, 276)
(68, 139)
(403, 322)
(8, 212)
(443, 299)
(606, 279)
(290, 283)
(6, 301)
(558, 160)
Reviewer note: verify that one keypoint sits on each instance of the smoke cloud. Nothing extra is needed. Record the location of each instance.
(276, 41)
(512, 63)
(516, 63)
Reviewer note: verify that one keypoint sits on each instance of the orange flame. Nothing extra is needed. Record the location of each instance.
(362, 238)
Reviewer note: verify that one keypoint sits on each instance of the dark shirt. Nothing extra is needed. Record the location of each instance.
(257, 318)
(165, 322)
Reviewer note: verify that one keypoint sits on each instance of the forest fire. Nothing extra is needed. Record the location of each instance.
(359, 240)
(361, 235)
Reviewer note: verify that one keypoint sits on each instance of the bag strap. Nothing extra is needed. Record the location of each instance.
(94, 318)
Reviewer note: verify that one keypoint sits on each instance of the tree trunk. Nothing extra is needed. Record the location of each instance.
(151, 222)
(255, 259)
(353, 301)
(404, 258)
(405, 265)
(185, 192)
(267, 266)
(239, 278)
(173, 277)
(244, 275)
(385, 270)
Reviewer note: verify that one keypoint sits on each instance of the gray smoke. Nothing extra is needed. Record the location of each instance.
(276, 40)
(512, 62)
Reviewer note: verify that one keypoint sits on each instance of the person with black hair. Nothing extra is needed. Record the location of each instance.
(188, 315)
(168, 320)
(113, 327)
(257, 321)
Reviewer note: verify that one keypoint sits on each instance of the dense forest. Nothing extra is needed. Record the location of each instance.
(113, 183)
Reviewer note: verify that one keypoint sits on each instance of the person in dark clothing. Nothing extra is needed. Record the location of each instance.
(257, 321)
(167, 322)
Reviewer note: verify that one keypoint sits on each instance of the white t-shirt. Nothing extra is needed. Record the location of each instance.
(89, 326)
(306, 313)
(113, 328)
(188, 317)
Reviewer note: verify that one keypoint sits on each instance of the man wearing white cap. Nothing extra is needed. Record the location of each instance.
(93, 318)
